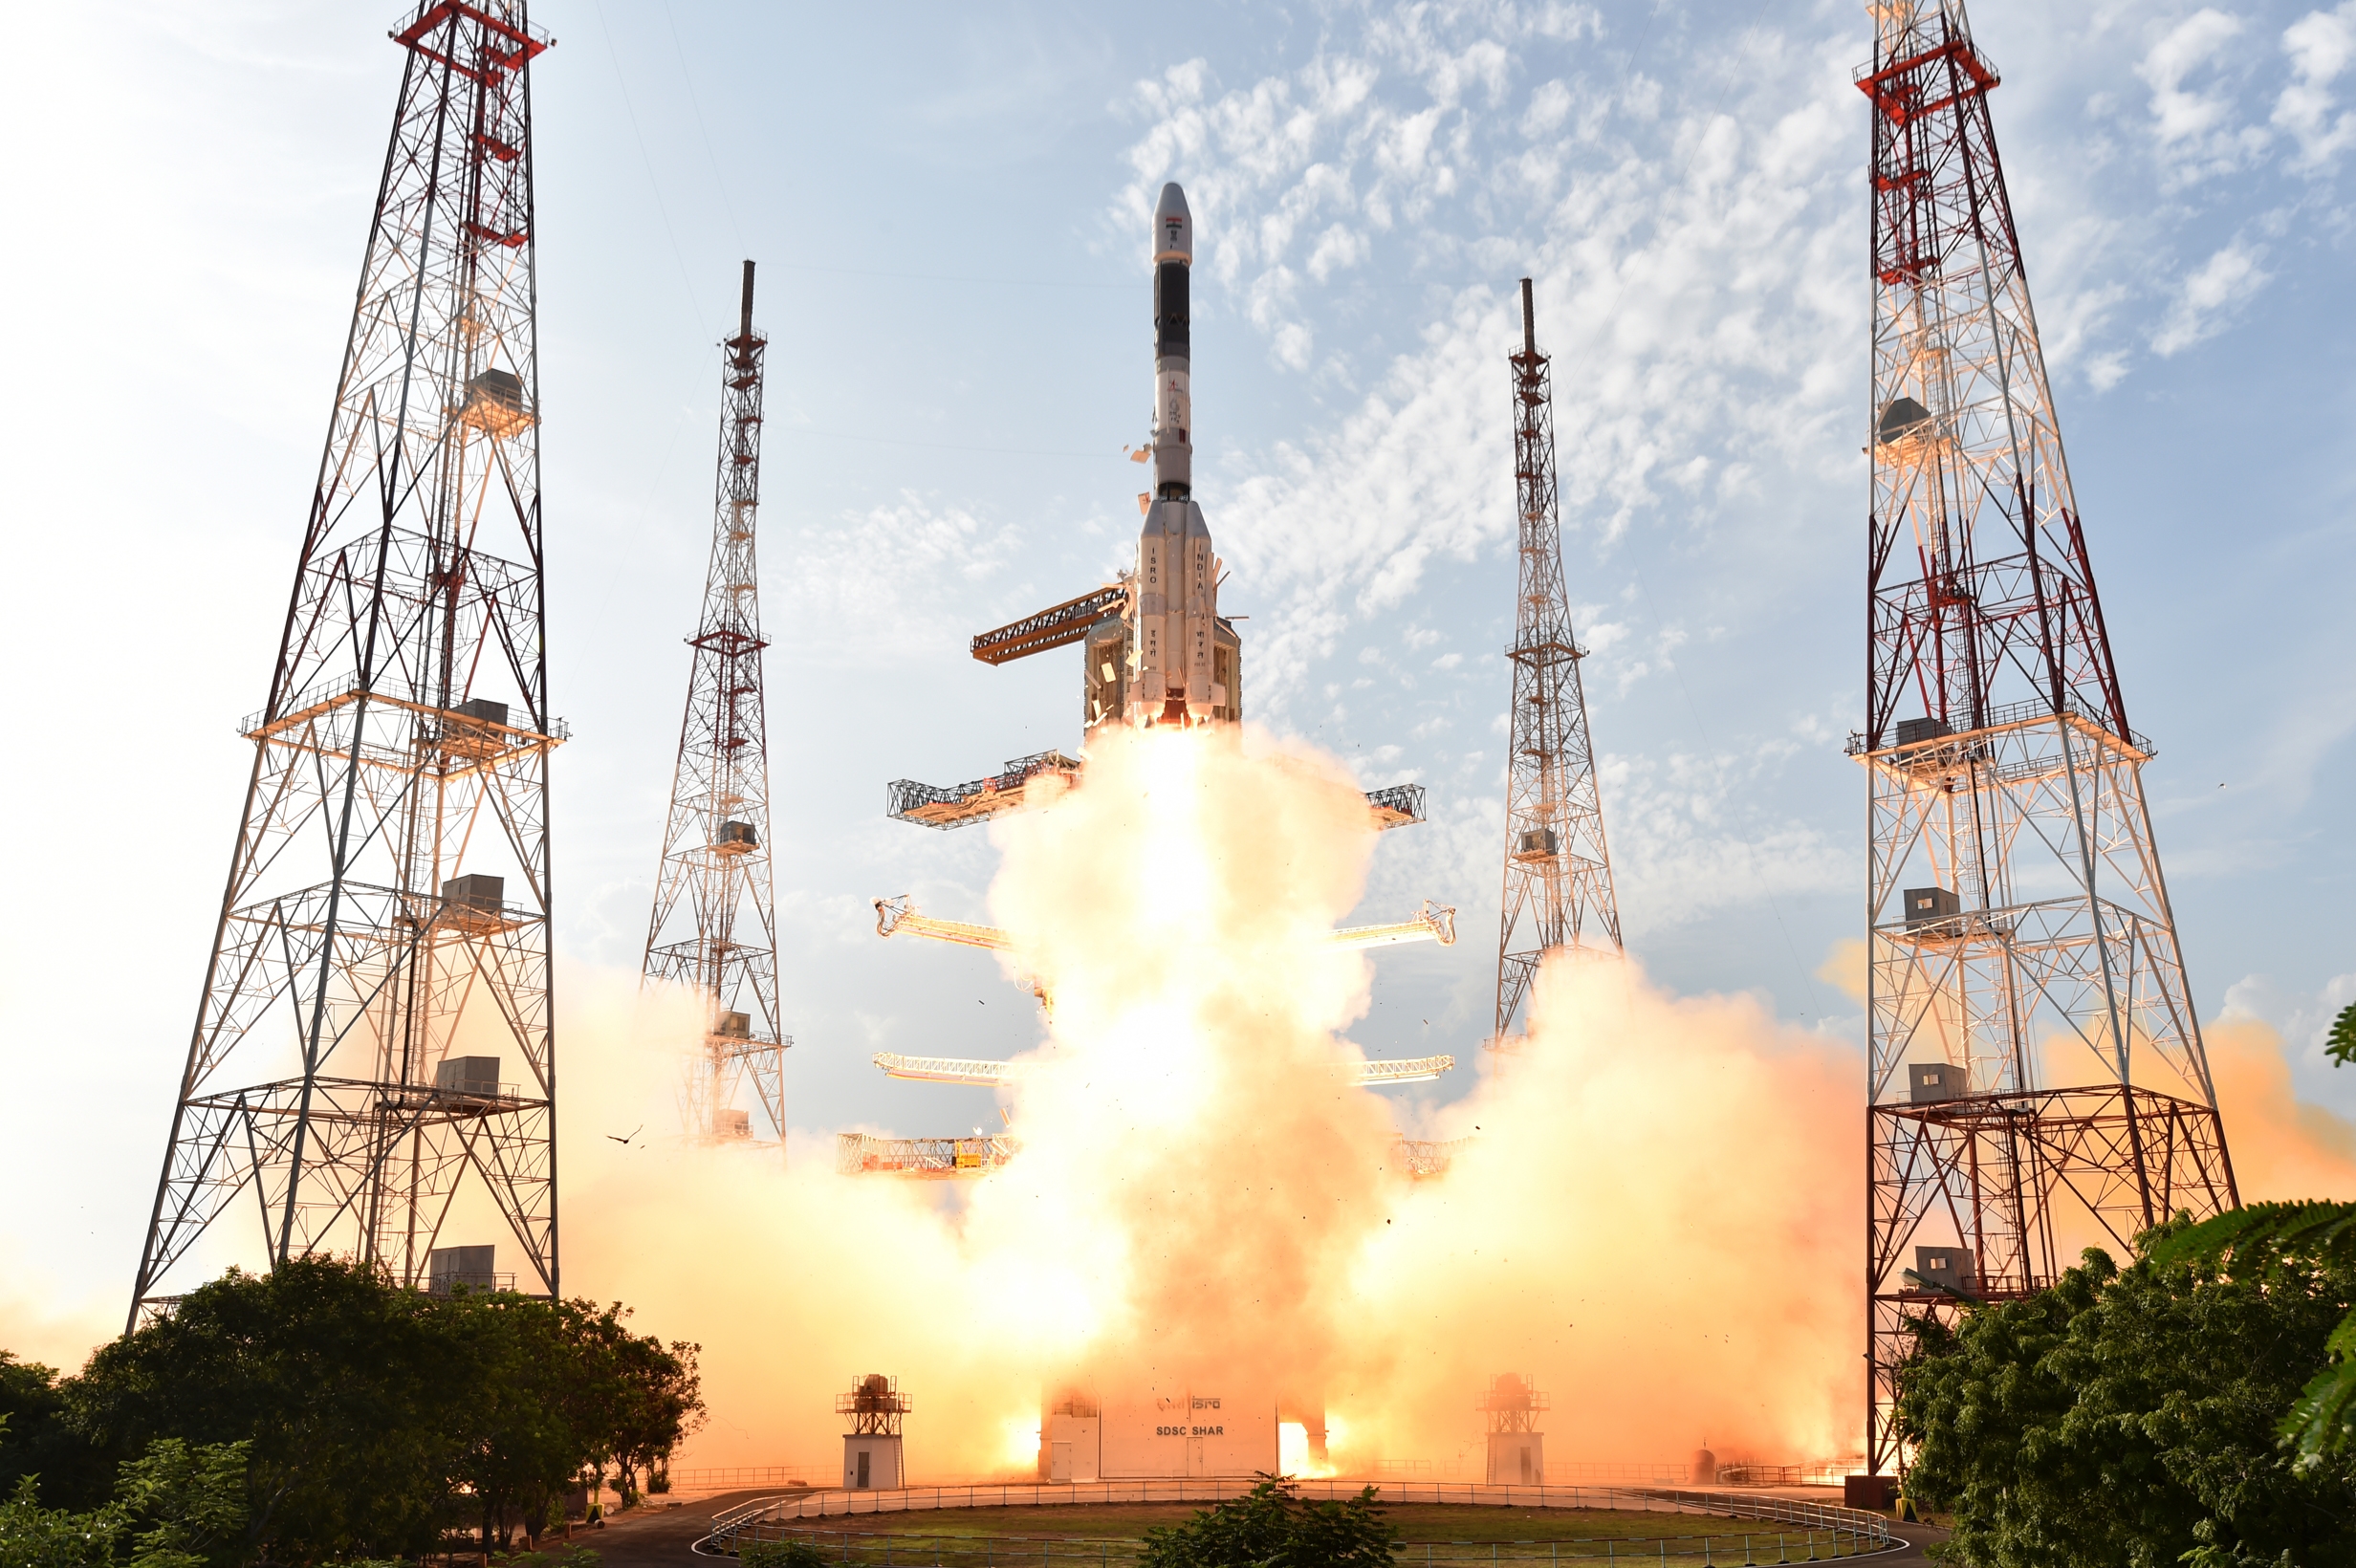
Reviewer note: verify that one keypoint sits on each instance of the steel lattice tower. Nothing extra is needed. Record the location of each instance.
(715, 846)
(374, 1042)
(1558, 870)
(2034, 1056)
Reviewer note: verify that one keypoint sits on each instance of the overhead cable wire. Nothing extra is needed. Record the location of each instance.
(696, 106)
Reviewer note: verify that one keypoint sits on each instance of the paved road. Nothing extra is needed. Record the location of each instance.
(661, 1538)
(1916, 1536)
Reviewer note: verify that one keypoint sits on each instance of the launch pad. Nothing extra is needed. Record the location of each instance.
(1184, 1432)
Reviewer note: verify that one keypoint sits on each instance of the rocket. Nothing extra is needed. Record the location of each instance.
(1183, 666)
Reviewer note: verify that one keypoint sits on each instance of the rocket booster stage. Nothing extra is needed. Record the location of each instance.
(1183, 657)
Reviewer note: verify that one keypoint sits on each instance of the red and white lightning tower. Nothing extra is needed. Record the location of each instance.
(2035, 1065)
(374, 1057)
(714, 928)
(1558, 870)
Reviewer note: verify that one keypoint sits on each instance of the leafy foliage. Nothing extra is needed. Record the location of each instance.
(1272, 1527)
(191, 1501)
(2322, 1419)
(366, 1419)
(36, 1440)
(33, 1536)
(785, 1553)
(2340, 1045)
(341, 1385)
(2129, 1416)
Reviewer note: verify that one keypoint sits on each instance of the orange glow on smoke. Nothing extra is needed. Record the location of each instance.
(1657, 1215)
(2283, 1147)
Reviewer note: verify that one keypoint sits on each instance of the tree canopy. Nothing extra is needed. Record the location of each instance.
(2131, 1415)
(1273, 1527)
(366, 1419)
(174, 1507)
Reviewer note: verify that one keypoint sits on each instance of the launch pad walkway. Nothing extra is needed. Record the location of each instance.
(1793, 1530)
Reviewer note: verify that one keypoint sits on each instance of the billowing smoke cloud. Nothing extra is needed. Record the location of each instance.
(2282, 1146)
(1653, 1215)
(1653, 1212)
(1658, 1214)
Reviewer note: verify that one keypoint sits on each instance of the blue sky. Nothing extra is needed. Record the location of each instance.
(947, 204)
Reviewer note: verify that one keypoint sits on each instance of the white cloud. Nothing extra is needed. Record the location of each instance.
(2321, 45)
(2193, 127)
(1337, 248)
(1695, 248)
(909, 564)
(1549, 106)
(2210, 296)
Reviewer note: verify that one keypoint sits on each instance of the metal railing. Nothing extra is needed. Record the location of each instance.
(2005, 716)
(1756, 1547)
(778, 1518)
(326, 693)
(736, 1477)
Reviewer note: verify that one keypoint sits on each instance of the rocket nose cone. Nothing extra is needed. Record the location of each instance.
(1173, 227)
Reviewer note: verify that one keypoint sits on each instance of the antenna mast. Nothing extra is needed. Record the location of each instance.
(714, 928)
(2031, 1039)
(1558, 870)
(388, 898)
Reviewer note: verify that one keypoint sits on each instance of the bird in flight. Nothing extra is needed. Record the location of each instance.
(626, 1141)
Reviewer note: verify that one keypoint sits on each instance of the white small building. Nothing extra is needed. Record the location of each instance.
(872, 1461)
(873, 1456)
(1517, 1447)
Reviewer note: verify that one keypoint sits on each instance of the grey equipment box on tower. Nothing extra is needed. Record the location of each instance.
(470, 1266)
(1927, 1082)
(1916, 731)
(1536, 844)
(1946, 1269)
(478, 1076)
(1933, 910)
(736, 838)
(728, 1122)
(476, 733)
(734, 1026)
(495, 404)
(473, 902)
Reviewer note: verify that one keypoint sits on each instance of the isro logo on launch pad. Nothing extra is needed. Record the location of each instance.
(1197, 1401)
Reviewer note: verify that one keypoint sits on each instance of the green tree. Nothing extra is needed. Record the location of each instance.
(2322, 1419)
(659, 1404)
(562, 1387)
(192, 1501)
(2320, 1423)
(37, 1439)
(2129, 1416)
(345, 1387)
(1272, 1527)
(516, 1443)
(33, 1536)
(174, 1507)
(374, 1416)
(2339, 1045)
